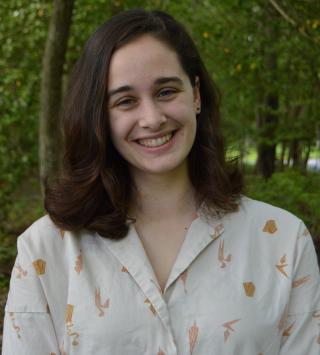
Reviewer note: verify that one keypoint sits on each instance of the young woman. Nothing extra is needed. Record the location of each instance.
(149, 246)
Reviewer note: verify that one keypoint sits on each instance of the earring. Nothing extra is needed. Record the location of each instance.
(198, 109)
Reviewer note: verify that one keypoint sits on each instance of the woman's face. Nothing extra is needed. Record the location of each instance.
(152, 107)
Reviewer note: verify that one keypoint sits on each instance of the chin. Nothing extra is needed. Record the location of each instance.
(162, 169)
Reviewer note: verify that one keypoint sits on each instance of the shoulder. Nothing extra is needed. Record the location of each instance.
(261, 224)
(42, 231)
(266, 232)
(271, 217)
(40, 252)
(42, 225)
(254, 207)
(43, 239)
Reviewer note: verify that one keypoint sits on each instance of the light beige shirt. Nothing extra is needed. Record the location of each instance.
(246, 283)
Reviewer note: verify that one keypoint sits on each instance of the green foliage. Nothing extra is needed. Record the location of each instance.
(23, 29)
(233, 39)
(237, 40)
(7, 254)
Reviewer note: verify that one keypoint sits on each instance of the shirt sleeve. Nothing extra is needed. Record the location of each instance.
(301, 330)
(28, 326)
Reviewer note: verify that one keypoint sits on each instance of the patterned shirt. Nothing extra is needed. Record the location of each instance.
(243, 283)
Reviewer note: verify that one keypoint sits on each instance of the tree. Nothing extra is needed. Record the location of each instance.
(51, 87)
(267, 117)
(23, 29)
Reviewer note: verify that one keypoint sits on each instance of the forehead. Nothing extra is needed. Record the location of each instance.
(143, 59)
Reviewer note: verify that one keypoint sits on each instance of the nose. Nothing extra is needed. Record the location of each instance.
(151, 115)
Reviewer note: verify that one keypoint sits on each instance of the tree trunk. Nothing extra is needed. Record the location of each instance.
(306, 157)
(267, 147)
(51, 88)
(295, 153)
(268, 116)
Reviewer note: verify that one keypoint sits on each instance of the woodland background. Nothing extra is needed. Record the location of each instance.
(263, 54)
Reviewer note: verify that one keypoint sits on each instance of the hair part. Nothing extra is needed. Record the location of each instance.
(94, 188)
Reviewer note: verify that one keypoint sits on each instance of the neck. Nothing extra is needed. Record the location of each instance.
(163, 196)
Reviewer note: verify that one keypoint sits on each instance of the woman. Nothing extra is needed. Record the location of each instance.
(148, 246)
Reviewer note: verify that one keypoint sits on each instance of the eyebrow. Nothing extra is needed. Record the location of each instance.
(159, 81)
(119, 90)
(167, 79)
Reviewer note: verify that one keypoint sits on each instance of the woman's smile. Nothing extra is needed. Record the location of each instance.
(155, 142)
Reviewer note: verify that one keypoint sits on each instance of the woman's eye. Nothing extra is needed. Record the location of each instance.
(125, 102)
(166, 92)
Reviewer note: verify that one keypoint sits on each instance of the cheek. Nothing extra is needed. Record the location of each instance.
(182, 112)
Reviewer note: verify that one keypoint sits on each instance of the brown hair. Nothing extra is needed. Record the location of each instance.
(94, 188)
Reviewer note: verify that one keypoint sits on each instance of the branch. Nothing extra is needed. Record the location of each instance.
(292, 21)
(282, 13)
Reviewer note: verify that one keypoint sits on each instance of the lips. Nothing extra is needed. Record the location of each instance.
(155, 142)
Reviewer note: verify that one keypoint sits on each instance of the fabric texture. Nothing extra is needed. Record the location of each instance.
(246, 283)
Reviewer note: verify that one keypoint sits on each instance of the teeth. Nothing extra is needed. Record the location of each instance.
(155, 142)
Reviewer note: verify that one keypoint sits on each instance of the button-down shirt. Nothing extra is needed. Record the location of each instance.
(243, 283)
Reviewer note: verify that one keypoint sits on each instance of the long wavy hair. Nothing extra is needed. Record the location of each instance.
(94, 188)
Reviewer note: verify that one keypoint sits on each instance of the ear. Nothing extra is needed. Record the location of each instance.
(196, 95)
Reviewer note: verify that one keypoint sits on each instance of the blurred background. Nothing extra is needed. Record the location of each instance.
(264, 56)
